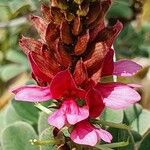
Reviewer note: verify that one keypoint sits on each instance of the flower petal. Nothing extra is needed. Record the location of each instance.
(126, 68)
(108, 64)
(57, 119)
(63, 85)
(84, 133)
(95, 103)
(117, 95)
(75, 113)
(104, 135)
(32, 93)
(28, 44)
(37, 70)
(80, 73)
(40, 25)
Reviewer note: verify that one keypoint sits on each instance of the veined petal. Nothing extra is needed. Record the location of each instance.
(28, 44)
(108, 64)
(104, 135)
(57, 119)
(80, 73)
(63, 85)
(118, 95)
(84, 133)
(40, 25)
(74, 113)
(32, 93)
(37, 70)
(95, 103)
(126, 68)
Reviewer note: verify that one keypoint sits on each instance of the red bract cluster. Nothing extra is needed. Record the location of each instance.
(69, 60)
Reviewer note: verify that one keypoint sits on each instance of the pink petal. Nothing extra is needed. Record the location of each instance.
(32, 93)
(95, 103)
(126, 68)
(84, 133)
(74, 113)
(118, 95)
(104, 135)
(63, 85)
(57, 119)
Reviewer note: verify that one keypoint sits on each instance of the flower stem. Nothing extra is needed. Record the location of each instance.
(42, 108)
(46, 142)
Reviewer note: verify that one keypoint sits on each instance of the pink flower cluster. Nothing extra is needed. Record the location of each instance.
(93, 101)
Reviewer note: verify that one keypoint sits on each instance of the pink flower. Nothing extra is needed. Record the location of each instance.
(119, 68)
(63, 89)
(68, 113)
(117, 95)
(86, 134)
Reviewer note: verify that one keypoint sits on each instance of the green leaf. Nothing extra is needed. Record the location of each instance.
(17, 136)
(27, 111)
(142, 123)
(42, 122)
(2, 118)
(22, 10)
(46, 135)
(10, 71)
(11, 115)
(132, 112)
(21, 7)
(145, 143)
(120, 9)
(103, 148)
(110, 115)
(8, 116)
(17, 57)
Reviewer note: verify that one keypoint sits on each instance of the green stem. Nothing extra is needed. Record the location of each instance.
(42, 108)
(46, 142)
(119, 126)
(114, 145)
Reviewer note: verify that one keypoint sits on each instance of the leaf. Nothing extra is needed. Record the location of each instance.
(21, 7)
(132, 112)
(120, 9)
(17, 57)
(145, 143)
(17, 136)
(142, 123)
(27, 111)
(110, 115)
(10, 71)
(42, 122)
(11, 116)
(2, 118)
(7, 117)
(46, 135)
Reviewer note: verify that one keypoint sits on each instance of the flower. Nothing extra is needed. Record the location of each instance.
(86, 134)
(68, 61)
(122, 67)
(63, 89)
